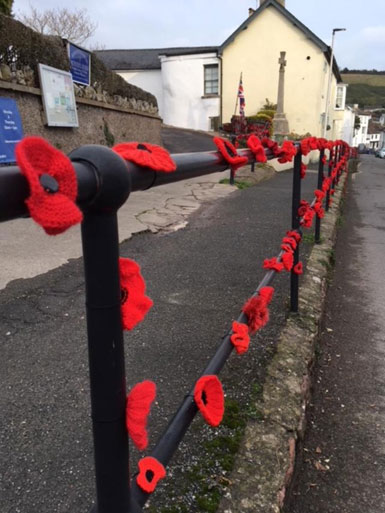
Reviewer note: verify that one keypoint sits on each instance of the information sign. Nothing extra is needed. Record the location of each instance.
(80, 62)
(11, 129)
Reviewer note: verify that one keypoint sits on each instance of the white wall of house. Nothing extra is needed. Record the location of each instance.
(184, 102)
(149, 80)
(362, 132)
(347, 131)
(373, 141)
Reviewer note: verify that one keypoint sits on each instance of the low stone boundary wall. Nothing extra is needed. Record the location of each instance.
(99, 123)
(265, 464)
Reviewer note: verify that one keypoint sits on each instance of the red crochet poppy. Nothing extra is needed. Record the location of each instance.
(303, 170)
(273, 264)
(146, 155)
(151, 471)
(208, 396)
(326, 184)
(298, 268)
(286, 247)
(256, 309)
(287, 259)
(134, 303)
(54, 210)
(292, 233)
(303, 208)
(229, 153)
(319, 194)
(318, 209)
(271, 145)
(286, 152)
(324, 160)
(255, 145)
(138, 406)
(291, 241)
(240, 337)
(308, 217)
(309, 144)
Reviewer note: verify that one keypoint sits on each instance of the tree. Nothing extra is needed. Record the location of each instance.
(76, 26)
(6, 7)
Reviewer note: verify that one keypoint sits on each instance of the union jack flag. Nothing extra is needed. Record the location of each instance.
(241, 96)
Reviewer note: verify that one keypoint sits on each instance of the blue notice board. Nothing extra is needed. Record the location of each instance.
(11, 129)
(80, 62)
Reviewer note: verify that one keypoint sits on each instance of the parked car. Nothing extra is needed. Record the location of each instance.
(380, 153)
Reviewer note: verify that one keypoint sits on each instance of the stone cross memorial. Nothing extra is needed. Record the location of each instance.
(280, 123)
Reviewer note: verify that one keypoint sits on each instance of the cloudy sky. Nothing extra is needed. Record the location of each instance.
(168, 23)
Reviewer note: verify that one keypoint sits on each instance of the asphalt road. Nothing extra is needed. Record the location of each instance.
(199, 278)
(343, 469)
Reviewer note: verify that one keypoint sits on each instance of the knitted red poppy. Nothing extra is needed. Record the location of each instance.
(303, 208)
(134, 303)
(255, 145)
(298, 268)
(291, 241)
(303, 170)
(256, 309)
(151, 471)
(308, 217)
(138, 406)
(292, 233)
(271, 145)
(287, 259)
(286, 247)
(273, 264)
(240, 337)
(208, 396)
(326, 184)
(146, 155)
(318, 209)
(319, 194)
(286, 152)
(53, 208)
(229, 153)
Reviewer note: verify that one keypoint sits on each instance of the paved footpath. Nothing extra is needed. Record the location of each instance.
(343, 468)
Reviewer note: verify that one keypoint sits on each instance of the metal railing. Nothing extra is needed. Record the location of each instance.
(105, 182)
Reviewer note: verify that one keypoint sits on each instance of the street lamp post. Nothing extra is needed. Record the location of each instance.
(330, 81)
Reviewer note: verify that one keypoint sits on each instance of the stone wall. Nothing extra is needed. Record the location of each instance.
(99, 122)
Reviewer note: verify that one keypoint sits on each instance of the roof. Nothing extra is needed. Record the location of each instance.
(292, 19)
(148, 58)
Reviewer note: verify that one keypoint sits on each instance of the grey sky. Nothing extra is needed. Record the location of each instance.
(167, 23)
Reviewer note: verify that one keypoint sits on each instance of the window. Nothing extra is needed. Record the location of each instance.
(340, 97)
(210, 79)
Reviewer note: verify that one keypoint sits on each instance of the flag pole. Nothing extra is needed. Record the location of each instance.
(236, 102)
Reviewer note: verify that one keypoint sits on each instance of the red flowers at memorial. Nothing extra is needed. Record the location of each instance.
(286, 152)
(256, 309)
(151, 471)
(52, 185)
(134, 303)
(298, 268)
(209, 398)
(146, 155)
(240, 337)
(229, 153)
(138, 406)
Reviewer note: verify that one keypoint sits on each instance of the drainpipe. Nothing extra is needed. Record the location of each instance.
(221, 91)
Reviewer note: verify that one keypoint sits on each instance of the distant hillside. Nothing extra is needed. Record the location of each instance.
(368, 90)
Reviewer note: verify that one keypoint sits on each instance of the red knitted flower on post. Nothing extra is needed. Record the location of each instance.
(319, 194)
(303, 208)
(298, 268)
(308, 217)
(303, 170)
(318, 209)
(269, 144)
(273, 264)
(256, 309)
(240, 337)
(291, 241)
(255, 145)
(50, 204)
(146, 155)
(287, 259)
(229, 153)
(286, 152)
(134, 303)
(292, 233)
(138, 406)
(151, 471)
(208, 396)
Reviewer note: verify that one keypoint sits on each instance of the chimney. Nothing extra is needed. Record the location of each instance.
(282, 2)
(251, 11)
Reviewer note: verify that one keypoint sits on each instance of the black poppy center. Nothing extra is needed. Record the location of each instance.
(204, 397)
(149, 475)
(143, 147)
(49, 183)
(123, 295)
(231, 152)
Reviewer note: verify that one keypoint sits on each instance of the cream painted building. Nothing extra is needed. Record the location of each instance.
(197, 87)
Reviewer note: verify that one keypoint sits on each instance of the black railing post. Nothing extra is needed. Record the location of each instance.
(317, 235)
(105, 338)
(295, 224)
(330, 165)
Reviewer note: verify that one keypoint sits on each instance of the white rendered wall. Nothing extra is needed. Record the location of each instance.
(148, 80)
(184, 104)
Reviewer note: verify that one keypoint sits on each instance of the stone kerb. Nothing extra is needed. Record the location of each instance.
(265, 464)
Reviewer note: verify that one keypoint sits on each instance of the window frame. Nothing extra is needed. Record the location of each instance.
(210, 81)
(343, 97)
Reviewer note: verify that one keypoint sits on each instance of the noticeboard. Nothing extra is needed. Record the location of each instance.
(80, 62)
(58, 97)
(11, 129)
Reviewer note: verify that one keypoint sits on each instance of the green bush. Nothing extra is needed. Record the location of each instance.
(6, 7)
(259, 118)
(267, 112)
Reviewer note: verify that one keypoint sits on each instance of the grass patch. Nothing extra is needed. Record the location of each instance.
(238, 183)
